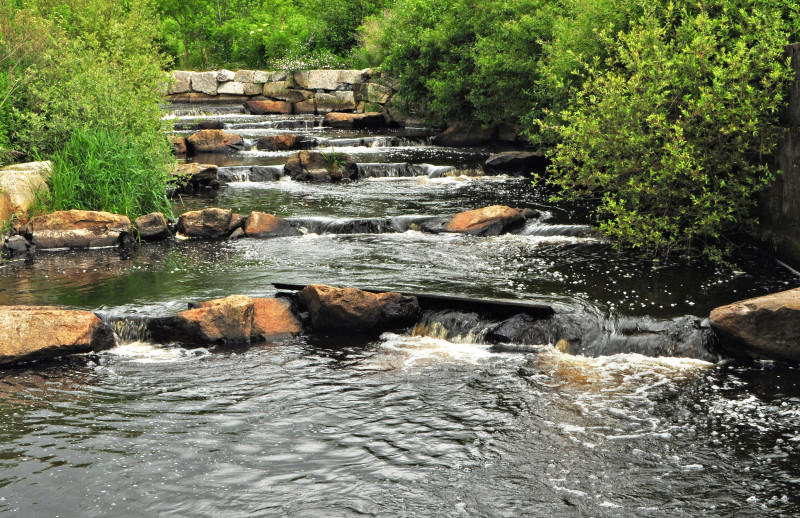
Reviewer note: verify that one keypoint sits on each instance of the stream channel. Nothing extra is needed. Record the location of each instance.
(638, 418)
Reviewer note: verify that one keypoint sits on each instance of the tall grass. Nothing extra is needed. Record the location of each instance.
(104, 170)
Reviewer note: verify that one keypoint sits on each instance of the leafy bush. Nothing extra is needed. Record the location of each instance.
(104, 170)
(671, 132)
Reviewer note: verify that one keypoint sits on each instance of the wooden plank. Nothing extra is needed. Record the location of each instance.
(495, 308)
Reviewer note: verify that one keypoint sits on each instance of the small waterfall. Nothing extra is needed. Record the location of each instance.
(323, 225)
(256, 173)
(453, 326)
(234, 174)
(129, 330)
(299, 124)
(392, 170)
(437, 171)
(537, 228)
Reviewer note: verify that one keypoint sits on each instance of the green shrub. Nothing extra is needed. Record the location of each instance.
(105, 170)
(671, 133)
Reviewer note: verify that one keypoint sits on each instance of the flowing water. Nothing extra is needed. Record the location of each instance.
(640, 418)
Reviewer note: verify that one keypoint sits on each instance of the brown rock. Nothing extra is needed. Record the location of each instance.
(355, 120)
(351, 309)
(77, 229)
(278, 90)
(335, 102)
(761, 327)
(34, 332)
(307, 107)
(152, 227)
(283, 142)
(178, 145)
(265, 107)
(214, 141)
(211, 223)
(227, 321)
(310, 166)
(488, 221)
(201, 174)
(274, 319)
(260, 224)
(516, 163)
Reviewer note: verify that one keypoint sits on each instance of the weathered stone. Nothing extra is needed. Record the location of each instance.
(152, 227)
(195, 175)
(299, 79)
(227, 321)
(253, 89)
(265, 173)
(259, 76)
(464, 134)
(231, 87)
(211, 223)
(488, 221)
(19, 184)
(15, 246)
(214, 141)
(274, 319)
(234, 320)
(282, 142)
(214, 124)
(223, 76)
(278, 76)
(372, 93)
(262, 225)
(36, 332)
(237, 222)
(178, 145)
(349, 77)
(278, 90)
(306, 107)
(355, 120)
(236, 234)
(265, 107)
(516, 163)
(323, 79)
(761, 327)
(333, 308)
(204, 82)
(181, 82)
(77, 229)
(335, 102)
(245, 76)
(310, 166)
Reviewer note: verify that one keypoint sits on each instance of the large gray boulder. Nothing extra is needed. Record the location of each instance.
(761, 327)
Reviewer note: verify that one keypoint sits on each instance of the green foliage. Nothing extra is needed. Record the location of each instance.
(335, 162)
(105, 170)
(670, 133)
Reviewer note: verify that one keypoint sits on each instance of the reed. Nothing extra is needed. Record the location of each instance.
(104, 170)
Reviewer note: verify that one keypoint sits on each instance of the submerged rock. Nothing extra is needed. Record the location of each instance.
(333, 308)
(35, 332)
(310, 166)
(214, 141)
(152, 227)
(211, 223)
(283, 142)
(234, 320)
(516, 163)
(77, 229)
(263, 225)
(355, 120)
(761, 327)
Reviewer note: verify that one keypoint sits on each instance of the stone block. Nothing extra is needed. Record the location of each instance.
(252, 89)
(335, 102)
(223, 76)
(204, 82)
(245, 76)
(231, 88)
(182, 82)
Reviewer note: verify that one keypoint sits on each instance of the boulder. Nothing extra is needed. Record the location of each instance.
(355, 120)
(265, 173)
(322, 80)
(372, 93)
(278, 90)
(231, 88)
(194, 176)
(333, 308)
(263, 225)
(215, 141)
(310, 166)
(252, 89)
(19, 184)
(308, 107)
(516, 163)
(204, 82)
(181, 82)
(761, 327)
(152, 227)
(207, 124)
(283, 142)
(35, 332)
(464, 134)
(211, 223)
(178, 145)
(335, 102)
(488, 221)
(15, 246)
(77, 229)
(266, 107)
(234, 320)
(259, 76)
(223, 76)
(245, 76)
